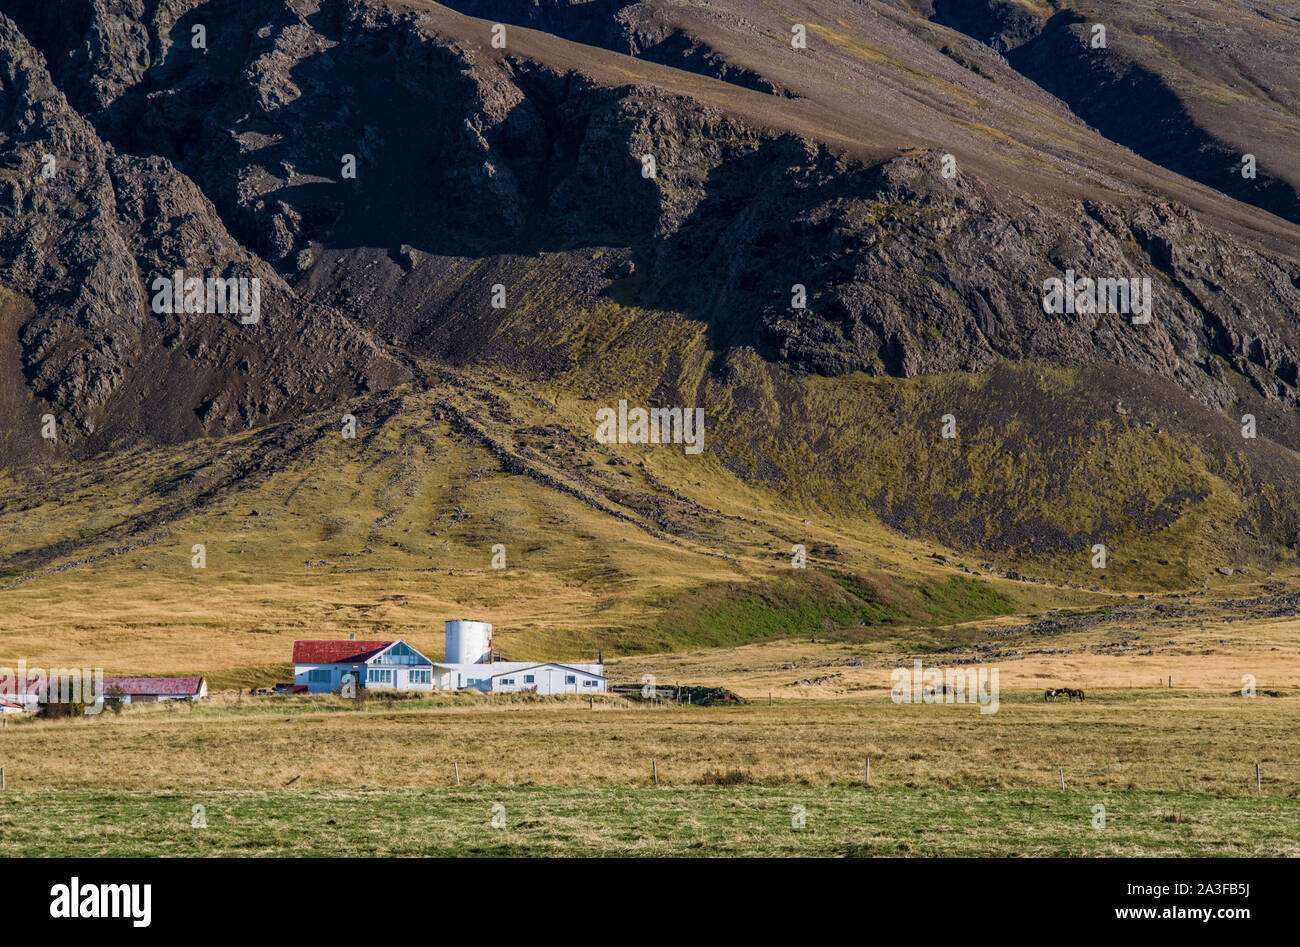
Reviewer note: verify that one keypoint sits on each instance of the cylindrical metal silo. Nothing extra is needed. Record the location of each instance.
(468, 642)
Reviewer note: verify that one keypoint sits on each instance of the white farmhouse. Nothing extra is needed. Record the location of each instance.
(324, 667)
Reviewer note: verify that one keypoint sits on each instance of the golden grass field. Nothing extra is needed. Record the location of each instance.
(1175, 741)
(1202, 655)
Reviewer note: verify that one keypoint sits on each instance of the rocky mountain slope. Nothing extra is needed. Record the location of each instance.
(1194, 87)
(83, 246)
(525, 166)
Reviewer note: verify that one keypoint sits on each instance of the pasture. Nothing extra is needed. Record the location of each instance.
(643, 821)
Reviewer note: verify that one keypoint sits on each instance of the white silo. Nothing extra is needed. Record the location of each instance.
(468, 642)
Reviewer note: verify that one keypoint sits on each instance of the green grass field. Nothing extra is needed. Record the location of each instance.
(703, 821)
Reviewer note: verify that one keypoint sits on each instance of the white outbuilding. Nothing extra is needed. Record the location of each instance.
(469, 665)
(548, 678)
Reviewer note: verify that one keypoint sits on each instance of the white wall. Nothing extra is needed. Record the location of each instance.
(548, 679)
(301, 676)
(401, 677)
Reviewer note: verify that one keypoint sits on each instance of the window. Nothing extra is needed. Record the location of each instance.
(319, 676)
(588, 683)
(399, 654)
(421, 677)
(530, 679)
(507, 680)
(381, 676)
(570, 679)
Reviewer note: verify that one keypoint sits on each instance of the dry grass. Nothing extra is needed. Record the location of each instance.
(1162, 741)
(1201, 655)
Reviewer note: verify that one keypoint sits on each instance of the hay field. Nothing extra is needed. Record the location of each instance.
(1171, 742)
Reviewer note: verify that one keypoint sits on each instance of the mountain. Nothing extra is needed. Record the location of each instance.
(921, 170)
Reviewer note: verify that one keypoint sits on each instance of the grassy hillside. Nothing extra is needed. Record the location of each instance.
(633, 548)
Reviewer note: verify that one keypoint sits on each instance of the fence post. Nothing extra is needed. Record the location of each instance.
(868, 771)
(1258, 785)
(654, 771)
(1062, 779)
(457, 765)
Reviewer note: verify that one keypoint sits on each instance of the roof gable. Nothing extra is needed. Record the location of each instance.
(393, 646)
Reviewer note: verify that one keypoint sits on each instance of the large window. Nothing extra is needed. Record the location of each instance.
(421, 677)
(530, 679)
(400, 654)
(380, 676)
(319, 676)
(570, 679)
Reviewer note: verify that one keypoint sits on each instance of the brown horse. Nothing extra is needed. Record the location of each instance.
(1066, 692)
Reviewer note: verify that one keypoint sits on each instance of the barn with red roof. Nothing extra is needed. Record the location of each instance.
(147, 690)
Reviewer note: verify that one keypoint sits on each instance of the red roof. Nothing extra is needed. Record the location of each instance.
(11, 687)
(335, 652)
(152, 685)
